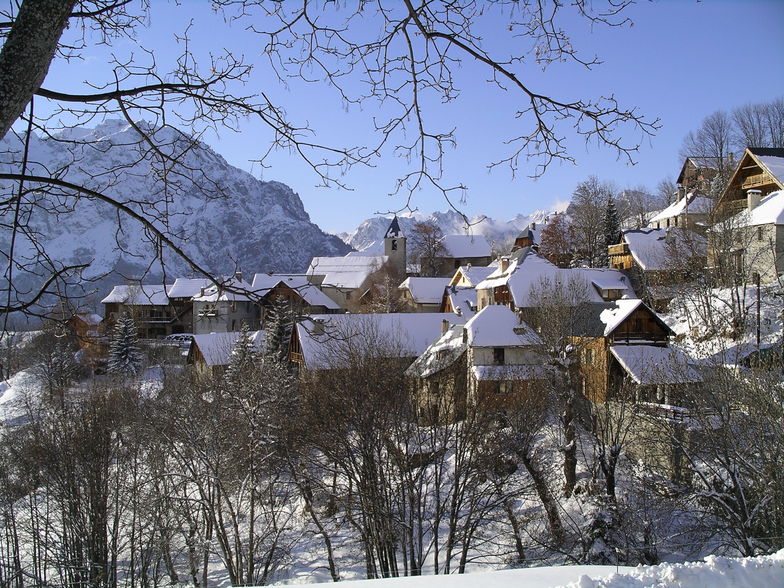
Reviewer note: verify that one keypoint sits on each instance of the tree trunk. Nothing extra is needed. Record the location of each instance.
(27, 53)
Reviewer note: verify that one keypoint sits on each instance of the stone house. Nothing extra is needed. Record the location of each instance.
(692, 211)
(490, 363)
(147, 304)
(423, 294)
(225, 307)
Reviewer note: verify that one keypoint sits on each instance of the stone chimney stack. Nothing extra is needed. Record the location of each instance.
(753, 198)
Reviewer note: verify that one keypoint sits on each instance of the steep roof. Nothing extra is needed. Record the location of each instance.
(466, 246)
(772, 159)
(219, 293)
(310, 293)
(138, 295)
(440, 355)
(262, 283)
(463, 300)
(346, 272)
(497, 326)
(323, 337)
(650, 365)
(425, 290)
(691, 203)
(652, 249)
(473, 274)
(216, 348)
(394, 231)
(188, 287)
(699, 162)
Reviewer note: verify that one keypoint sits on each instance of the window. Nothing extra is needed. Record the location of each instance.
(498, 355)
(588, 356)
(394, 244)
(760, 234)
(503, 387)
(457, 263)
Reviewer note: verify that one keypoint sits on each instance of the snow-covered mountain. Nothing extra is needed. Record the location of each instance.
(369, 235)
(221, 216)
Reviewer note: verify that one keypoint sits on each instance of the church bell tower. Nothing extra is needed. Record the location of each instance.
(395, 247)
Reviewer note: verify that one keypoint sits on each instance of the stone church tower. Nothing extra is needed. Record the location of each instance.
(395, 247)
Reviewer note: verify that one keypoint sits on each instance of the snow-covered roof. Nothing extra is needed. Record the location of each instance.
(138, 295)
(497, 326)
(530, 271)
(425, 290)
(188, 287)
(216, 348)
(313, 296)
(440, 355)
(691, 203)
(769, 211)
(324, 338)
(265, 282)
(461, 246)
(473, 274)
(652, 249)
(614, 316)
(649, 364)
(89, 318)
(774, 164)
(216, 293)
(346, 272)
(463, 300)
(500, 373)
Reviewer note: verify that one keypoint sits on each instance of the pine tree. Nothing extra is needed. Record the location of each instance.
(243, 357)
(124, 354)
(612, 230)
(278, 329)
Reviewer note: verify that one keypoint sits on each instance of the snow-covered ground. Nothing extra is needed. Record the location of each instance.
(713, 572)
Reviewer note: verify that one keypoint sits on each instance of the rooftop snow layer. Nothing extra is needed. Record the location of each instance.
(216, 348)
(188, 287)
(346, 272)
(770, 210)
(497, 326)
(500, 373)
(650, 365)
(463, 300)
(775, 166)
(425, 290)
(614, 316)
(653, 249)
(216, 293)
(691, 203)
(265, 282)
(325, 338)
(138, 295)
(474, 274)
(440, 355)
(466, 246)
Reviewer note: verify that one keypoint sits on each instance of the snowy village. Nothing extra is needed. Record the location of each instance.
(201, 386)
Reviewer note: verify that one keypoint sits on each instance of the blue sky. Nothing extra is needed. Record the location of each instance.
(679, 62)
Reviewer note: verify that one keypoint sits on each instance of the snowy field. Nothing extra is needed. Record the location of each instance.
(714, 572)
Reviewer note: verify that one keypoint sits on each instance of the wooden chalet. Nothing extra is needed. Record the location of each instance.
(760, 172)
(627, 342)
(697, 173)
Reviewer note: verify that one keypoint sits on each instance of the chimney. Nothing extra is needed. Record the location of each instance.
(533, 226)
(504, 264)
(238, 275)
(444, 326)
(753, 198)
(681, 192)
(318, 327)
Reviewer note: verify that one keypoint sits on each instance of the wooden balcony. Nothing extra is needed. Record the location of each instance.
(620, 249)
(757, 180)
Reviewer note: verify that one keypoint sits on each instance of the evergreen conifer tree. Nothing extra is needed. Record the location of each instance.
(278, 329)
(243, 357)
(612, 230)
(124, 354)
